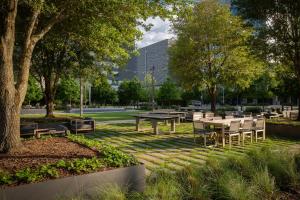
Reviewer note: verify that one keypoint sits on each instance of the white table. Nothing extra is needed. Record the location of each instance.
(223, 123)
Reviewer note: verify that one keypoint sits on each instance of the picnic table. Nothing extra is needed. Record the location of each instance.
(178, 114)
(154, 118)
(224, 123)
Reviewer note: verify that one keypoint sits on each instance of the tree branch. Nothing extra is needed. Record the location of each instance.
(36, 37)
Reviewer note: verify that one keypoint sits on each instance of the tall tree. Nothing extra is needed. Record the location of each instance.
(34, 92)
(211, 49)
(277, 23)
(103, 93)
(130, 92)
(24, 23)
(168, 92)
(68, 90)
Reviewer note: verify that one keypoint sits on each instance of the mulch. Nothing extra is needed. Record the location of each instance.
(37, 152)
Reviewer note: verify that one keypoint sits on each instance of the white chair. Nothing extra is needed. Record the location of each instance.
(200, 129)
(259, 128)
(247, 130)
(233, 131)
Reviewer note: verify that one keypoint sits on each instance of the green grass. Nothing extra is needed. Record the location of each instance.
(178, 168)
(171, 151)
(103, 116)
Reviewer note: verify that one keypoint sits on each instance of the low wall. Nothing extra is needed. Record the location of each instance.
(283, 130)
(132, 178)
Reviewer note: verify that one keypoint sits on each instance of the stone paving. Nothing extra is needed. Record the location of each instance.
(172, 151)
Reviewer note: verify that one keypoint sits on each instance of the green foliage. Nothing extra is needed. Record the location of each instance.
(111, 192)
(253, 109)
(112, 156)
(212, 49)
(168, 92)
(68, 90)
(163, 186)
(130, 92)
(29, 175)
(82, 165)
(34, 92)
(5, 178)
(261, 174)
(103, 93)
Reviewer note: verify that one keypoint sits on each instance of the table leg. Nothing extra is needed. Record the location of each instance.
(137, 124)
(155, 127)
(173, 129)
(223, 135)
(178, 120)
(264, 133)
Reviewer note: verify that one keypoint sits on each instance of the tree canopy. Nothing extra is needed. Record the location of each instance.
(130, 92)
(277, 25)
(168, 92)
(211, 49)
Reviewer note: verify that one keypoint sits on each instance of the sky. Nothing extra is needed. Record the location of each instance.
(160, 30)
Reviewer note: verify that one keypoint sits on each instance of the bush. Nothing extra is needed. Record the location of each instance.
(259, 175)
(112, 156)
(253, 109)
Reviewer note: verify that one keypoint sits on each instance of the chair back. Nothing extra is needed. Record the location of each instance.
(216, 118)
(235, 125)
(198, 125)
(260, 123)
(229, 117)
(248, 124)
(209, 115)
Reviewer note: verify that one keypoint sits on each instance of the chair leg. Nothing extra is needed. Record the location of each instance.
(251, 137)
(204, 140)
(229, 141)
(239, 139)
(194, 138)
(243, 139)
(256, 136)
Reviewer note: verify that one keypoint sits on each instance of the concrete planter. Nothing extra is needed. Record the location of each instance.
(78, 186)
(283, 130)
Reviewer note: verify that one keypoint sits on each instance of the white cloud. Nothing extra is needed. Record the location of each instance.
(160, 30)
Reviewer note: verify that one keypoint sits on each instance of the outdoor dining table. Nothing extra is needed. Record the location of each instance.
(154, 118)
(224, 123)
(177, 114)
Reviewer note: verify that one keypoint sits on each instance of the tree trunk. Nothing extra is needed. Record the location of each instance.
(49, 98)
(81, 97)
(213, 98)
(9, 121)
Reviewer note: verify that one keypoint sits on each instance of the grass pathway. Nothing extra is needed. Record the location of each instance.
(171, 151)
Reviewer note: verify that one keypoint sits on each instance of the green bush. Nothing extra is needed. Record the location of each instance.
(253, 109)
(260, 174)
(112, 156)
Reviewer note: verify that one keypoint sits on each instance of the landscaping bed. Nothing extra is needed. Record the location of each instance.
(283, 128)
(73, 163)
(45, 151)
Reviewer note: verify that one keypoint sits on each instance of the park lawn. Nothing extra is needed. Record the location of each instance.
(171, 151)
(101, 116)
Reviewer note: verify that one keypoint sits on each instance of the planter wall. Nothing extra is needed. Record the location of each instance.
(283, 130)
(132, 178)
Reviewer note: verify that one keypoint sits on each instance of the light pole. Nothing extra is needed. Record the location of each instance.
(153, 89)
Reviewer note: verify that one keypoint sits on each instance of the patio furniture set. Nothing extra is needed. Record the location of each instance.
(229, 128)
(75, 126)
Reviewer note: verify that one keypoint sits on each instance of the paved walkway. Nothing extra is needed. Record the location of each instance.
(172, 151)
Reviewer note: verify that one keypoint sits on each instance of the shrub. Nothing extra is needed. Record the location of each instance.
(264, 184)
(111, 192)
(112, 156)
(253, 109)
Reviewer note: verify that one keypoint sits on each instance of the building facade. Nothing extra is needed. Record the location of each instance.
(152, 59)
